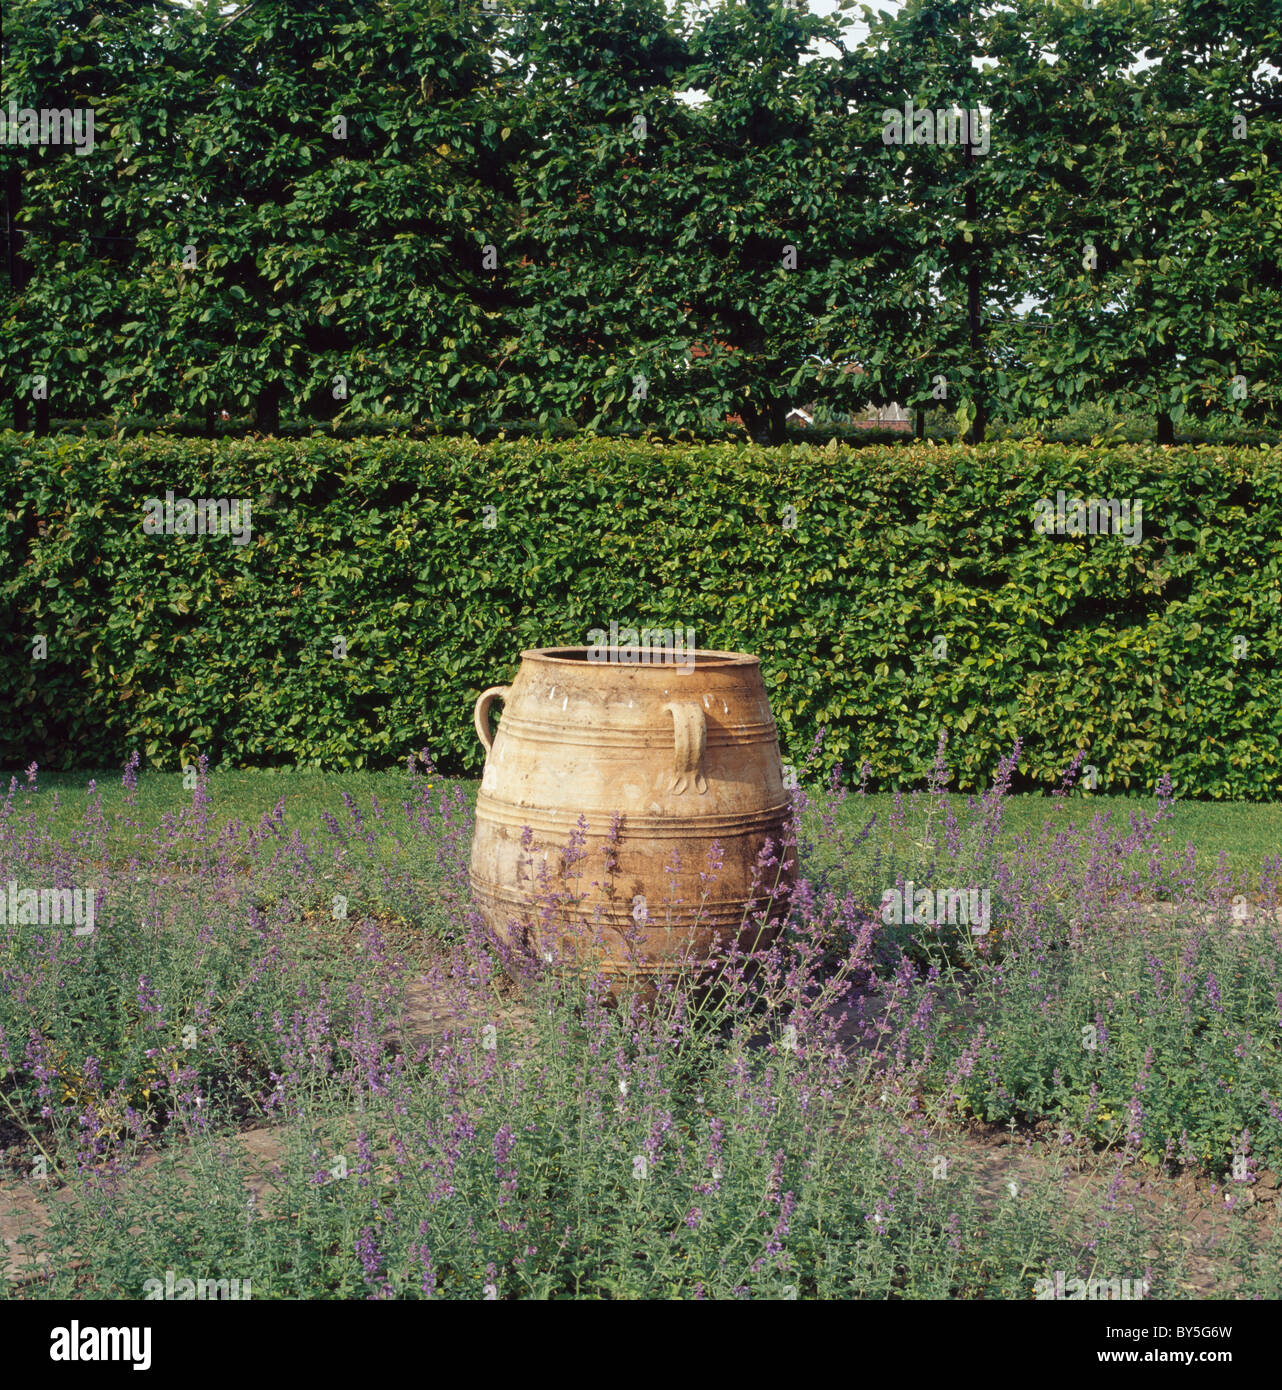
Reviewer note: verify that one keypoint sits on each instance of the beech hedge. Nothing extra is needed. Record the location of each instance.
(891, 593)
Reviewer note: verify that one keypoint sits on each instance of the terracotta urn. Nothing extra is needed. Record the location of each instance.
(674, 767)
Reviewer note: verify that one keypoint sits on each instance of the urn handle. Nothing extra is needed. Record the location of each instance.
(481, 714)
(690, 731)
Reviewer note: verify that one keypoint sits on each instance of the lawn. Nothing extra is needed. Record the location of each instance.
(1244, 832)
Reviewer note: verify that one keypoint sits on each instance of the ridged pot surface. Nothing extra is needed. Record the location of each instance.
(686, 759)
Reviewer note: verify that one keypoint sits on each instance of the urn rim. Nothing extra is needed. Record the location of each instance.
(704, 658)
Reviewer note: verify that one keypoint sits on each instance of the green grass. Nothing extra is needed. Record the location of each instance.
(235, 795)
(1244, 832)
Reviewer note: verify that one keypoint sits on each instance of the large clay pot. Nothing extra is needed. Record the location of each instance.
(685, 756)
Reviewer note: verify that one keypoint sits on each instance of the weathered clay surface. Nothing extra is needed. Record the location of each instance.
(686, 758)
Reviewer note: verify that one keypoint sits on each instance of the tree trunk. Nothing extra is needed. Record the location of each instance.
(42, 416)
(267, 408)
(769, 426)
(777, 422)
(1165, 428)
(919, 424)
(979, 425)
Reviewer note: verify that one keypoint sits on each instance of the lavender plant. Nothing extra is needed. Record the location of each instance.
(231, 1075)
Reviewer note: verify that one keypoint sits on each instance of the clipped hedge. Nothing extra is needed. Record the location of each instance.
(179, 644)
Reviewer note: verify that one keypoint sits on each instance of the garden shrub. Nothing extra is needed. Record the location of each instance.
(889, 592)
